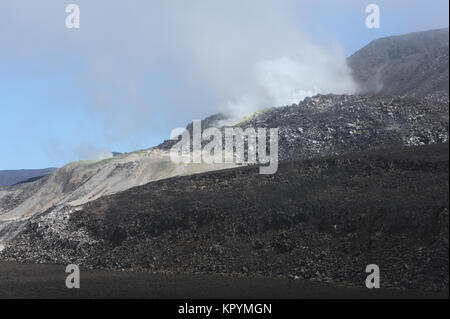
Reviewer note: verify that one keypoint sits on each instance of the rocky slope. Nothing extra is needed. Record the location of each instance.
(415, 64)
(404, 82)
(319, 126)
(323, 219)
(81, 182)
(336, 124)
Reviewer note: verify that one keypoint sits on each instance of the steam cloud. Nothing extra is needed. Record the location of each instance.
(88, 152)
(84, 151)
(184, 59)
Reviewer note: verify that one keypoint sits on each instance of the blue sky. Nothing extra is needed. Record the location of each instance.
(134, 71)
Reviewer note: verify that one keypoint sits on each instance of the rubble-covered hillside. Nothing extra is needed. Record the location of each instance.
(336, 124)
(362, 179)
(323, 219)
(81, 182)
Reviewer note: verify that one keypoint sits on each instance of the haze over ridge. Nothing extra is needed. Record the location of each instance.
(131, 74)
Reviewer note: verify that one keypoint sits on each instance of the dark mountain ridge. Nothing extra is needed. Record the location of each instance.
(415, 64)
(404, 100)
(11, 177)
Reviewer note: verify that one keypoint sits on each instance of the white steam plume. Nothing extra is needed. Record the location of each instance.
(88, 152)
(184, 59)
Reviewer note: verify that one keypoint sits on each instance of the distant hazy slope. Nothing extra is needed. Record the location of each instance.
(12, 177)
(81, 182)
(415, 63)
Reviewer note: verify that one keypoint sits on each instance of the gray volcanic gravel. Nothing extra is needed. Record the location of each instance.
(48, 281)
(323, 220)
(337, 124)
